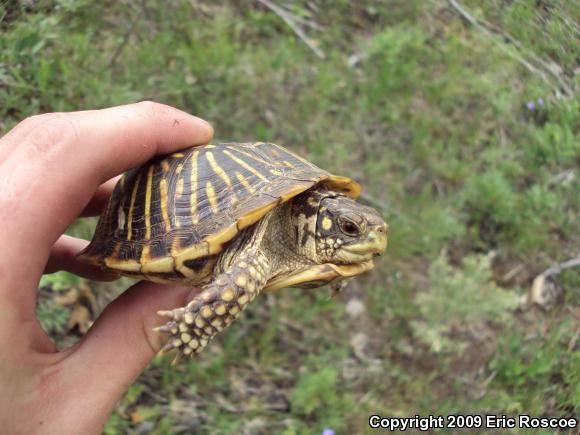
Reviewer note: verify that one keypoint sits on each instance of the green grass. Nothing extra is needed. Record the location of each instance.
(430, 115)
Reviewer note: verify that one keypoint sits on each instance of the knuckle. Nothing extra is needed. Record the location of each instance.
(27, 125)
(151, 109)
(22, 126)
(57, 131)
(29, 120)
(43, 117)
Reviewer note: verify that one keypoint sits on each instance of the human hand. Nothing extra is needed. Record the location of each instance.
(54, 168)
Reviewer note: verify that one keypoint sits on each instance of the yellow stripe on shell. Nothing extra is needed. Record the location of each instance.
(218, 169)
(211, 196)
(164, 206)
(193, 199)
(146, 254)
(176, 243)
(245, 182)
(148, 194)
(251, 156)
(132, 207)
(179, 187)
(246, 166)
(178, 193)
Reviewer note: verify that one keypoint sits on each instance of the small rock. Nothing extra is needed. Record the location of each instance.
(145, 427)
(254, 426)
(546, 292)
(355, 308)
(359, 342)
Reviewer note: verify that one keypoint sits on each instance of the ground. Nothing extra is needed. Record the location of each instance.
(461, 120)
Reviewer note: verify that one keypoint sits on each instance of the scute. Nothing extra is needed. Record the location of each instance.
(188, 205)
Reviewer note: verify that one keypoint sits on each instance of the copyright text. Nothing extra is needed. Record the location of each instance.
(470, 422)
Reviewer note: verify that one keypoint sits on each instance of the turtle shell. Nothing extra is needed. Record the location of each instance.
(169, 219)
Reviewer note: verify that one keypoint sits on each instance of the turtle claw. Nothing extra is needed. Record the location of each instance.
(166, 313)
(165, 349)
(166, 329)
(178, 358)
(176, 314)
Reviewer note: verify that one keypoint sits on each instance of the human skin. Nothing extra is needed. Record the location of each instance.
(53, 168)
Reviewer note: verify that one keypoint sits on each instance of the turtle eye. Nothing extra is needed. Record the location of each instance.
(349, 228)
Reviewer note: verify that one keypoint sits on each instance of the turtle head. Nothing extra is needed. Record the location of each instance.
(348, 232)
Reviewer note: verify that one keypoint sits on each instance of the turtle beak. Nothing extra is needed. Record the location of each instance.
(375, 243)
(378, 239)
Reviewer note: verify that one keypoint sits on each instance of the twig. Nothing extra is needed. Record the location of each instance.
(290, 19)
(122, 45)
(487, 29)
(304, 21)
(560, 267)
(513, 272)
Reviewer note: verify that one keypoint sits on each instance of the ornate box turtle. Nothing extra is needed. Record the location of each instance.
(234, 219)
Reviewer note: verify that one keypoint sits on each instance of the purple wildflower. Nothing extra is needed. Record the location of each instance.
(531, 105)
(327, 431)
(540, 101)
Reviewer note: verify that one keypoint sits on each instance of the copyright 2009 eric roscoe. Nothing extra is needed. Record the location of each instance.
(470, 422)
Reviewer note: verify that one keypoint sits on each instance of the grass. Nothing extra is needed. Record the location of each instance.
(431, 115)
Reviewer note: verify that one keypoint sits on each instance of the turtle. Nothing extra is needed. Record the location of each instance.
(234, 219)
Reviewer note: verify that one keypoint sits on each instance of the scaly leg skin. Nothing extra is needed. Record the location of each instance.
(216, 307)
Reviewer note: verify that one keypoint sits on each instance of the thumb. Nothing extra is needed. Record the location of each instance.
(122, 342)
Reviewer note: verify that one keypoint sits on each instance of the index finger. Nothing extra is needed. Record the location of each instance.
(53, 172)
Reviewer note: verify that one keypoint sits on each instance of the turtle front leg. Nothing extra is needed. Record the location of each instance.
(215, 308)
